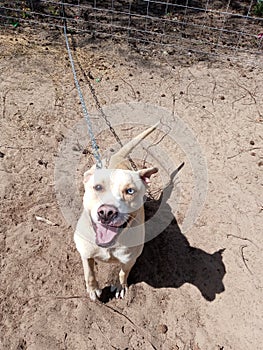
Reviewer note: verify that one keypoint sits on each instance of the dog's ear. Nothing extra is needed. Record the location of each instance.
(88, 174)
(145, 174)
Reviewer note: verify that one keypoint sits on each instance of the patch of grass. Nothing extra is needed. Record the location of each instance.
(258, 9)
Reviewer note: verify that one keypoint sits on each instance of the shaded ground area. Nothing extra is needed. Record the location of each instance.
(218, 28)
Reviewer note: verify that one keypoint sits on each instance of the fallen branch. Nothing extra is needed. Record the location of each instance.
(244, 259)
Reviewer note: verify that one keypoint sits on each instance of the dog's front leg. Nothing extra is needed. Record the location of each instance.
(90, 279)
(123, 276)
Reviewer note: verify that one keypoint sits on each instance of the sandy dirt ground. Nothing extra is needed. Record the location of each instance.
(199, 289)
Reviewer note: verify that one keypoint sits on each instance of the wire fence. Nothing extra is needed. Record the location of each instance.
(218, 28)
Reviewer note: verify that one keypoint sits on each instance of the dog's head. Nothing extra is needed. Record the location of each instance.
(113, 198)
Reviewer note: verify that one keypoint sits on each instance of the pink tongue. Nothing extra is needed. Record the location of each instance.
(106, 234)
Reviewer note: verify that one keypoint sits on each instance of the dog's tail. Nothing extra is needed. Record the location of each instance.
(120, 156)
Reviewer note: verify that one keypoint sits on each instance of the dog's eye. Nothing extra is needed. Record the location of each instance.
(130, 191)
(98, 188)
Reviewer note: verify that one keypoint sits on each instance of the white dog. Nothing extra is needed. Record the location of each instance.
(111, 227)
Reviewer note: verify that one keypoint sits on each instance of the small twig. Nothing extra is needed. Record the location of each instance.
(146, 149)
(214, 89)
(244, 259)
(128, 319)
(13, 147)
(237, 100)
(173, 105)
(249, 92)
(51, 297)
(127, 129)
(121, 314)
(244, 239)
(130, 85)
(188, 87)
(46, 221)
(4, 103)
(243, 151)
(64, 340)
(104, 335)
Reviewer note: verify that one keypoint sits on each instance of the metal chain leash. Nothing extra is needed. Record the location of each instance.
(84, 108)
(94, 145)
(103, 115)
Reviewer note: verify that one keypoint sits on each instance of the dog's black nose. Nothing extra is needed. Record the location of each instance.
(107, 213)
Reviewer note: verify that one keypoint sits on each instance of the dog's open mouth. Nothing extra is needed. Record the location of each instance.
(107, 234)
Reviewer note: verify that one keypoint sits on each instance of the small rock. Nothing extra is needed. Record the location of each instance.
(59, 138)
(90, 76)
(86, 151)
(2, 155)
(163, 328)
(41, 162)
(252, 142)
(260, 163)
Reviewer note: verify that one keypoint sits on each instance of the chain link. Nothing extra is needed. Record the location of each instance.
(94, 145)
(98, 106)
(103, 115)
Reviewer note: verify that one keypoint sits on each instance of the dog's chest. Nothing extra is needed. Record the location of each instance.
(113, 255)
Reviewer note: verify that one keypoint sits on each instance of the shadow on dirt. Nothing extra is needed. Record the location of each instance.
(169, 261)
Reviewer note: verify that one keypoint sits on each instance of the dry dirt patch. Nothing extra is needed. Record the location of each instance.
(199, 289)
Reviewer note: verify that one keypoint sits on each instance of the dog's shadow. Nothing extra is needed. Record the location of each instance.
(169, 261)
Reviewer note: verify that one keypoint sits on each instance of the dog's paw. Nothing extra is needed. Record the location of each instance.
(119, 291)
(94, 294)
